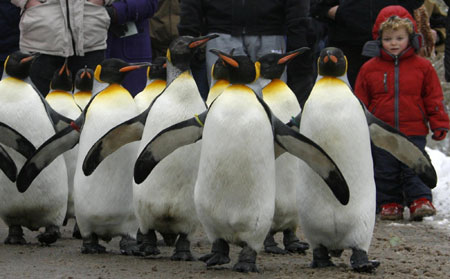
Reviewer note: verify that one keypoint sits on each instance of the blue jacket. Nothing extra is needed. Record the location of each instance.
(134, 48)
(9, 28)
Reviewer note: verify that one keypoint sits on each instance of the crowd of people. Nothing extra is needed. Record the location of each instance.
(385, 53)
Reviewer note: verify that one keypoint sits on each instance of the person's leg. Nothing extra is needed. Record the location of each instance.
(413, 187)
(42, 69)
(387, 178)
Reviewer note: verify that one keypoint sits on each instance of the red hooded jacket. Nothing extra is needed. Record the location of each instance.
(404, 90)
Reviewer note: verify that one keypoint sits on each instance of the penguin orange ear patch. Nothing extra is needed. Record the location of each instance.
(287, 58)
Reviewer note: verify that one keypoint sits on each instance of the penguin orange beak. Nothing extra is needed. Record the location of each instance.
(29, 58)
(85, 73)
(288, 56)
(133, 67)
(225, 58)
(330, 57)
(202, 40)
(64, 68)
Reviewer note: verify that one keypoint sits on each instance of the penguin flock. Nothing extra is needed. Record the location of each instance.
(242, 166)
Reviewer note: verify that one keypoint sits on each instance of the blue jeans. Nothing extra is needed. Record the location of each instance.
(396, 182)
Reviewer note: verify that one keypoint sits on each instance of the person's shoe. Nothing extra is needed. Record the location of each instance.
(391, 211)
(421, 208)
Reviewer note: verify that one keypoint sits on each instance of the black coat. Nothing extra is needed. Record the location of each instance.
(9, 28)
(355, 18)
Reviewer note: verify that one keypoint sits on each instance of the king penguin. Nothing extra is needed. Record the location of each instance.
(104, 200)
(235, 189)
(219, 80)
(156, 82)
(332, 117)
(283, 103)
(23, 109)
(60, 98)
(84, 80)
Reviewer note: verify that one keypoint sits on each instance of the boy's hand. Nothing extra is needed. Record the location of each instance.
(439, 134)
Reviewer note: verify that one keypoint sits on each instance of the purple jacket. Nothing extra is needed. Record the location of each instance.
(135, 48)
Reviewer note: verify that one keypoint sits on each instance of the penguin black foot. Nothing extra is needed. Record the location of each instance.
(50, 235)
(127, 245)
(271, 246)
(247, 261)
(219, 254)
(169, 238)
(15, 236)
(147, 246)
(321, 258)
(91, 246)
(293, 244)
(182, 249)
(360, 262)
(76, 232)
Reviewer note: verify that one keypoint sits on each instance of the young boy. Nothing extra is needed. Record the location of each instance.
(402, 89)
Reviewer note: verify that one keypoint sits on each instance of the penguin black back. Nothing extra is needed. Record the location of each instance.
(332, 62)
(84, 79)
(62, 79)
(18, 64)
(158, 69)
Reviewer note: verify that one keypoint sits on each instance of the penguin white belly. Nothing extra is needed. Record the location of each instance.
(283, 103)
(103, 200)
(336, 121)
(235, 189)
(164, 201)
(150, 92)
(45, 202)
(64, 104)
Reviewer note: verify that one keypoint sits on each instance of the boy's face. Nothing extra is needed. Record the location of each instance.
(395, 41)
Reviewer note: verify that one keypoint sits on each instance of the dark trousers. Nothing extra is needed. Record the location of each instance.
(44, 66)
(396, 182)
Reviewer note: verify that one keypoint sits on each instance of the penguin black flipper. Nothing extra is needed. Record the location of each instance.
(59, 121)
(398, 145)
(126, 132)
(62, 141)
(167, 141)
(16, 141)
(7, 165)
(311, 153)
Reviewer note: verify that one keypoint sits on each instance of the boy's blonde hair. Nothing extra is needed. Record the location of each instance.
(395, 23)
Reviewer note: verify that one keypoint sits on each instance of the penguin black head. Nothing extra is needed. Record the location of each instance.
(114, 70)
(332, 62)
(241, 69)
(182, 49)
(84, 79)
(220, 70)
(158, 69)
(18, 64)
(273, 64)
(62, 79)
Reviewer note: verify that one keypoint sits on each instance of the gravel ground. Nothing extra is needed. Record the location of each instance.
(405, 250)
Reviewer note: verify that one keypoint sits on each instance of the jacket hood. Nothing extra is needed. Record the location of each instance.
(386, 13)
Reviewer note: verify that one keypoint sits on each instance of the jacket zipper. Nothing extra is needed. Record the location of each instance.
(396, 100)
(70, 28)
(385, 82)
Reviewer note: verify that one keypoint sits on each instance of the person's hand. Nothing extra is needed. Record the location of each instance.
(439, 134)
(32, 3)
(435, 36)
(98, 2)
(332, 12)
